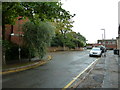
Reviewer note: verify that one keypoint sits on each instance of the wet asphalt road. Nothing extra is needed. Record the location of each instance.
(55, 74)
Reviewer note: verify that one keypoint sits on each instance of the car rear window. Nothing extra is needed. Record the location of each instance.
(96, 49)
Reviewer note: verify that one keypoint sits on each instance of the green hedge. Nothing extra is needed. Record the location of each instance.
(12, 53)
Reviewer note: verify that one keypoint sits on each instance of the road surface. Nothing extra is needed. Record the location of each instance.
(55, 74)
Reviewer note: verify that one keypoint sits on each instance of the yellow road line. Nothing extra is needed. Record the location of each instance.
(21, 69)
(25, 68)
(79, 74)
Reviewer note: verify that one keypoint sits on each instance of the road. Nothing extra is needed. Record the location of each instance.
(55, 74)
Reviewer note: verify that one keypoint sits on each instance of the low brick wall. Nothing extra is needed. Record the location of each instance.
(114, 46)
(53, 49)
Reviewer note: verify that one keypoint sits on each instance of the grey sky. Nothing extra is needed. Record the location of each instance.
(92, 16)
(119, 12)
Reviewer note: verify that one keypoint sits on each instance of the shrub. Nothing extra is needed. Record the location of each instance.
(12, 53)
(37, 37)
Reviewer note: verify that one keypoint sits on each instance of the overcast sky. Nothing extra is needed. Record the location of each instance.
(92, 16)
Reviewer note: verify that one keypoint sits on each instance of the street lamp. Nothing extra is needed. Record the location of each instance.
(104, 32)
(104, 35)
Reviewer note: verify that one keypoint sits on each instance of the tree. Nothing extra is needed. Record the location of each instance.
(42, 11)
(72, 40)
(38, 36)
(10, 11)
(63, 27)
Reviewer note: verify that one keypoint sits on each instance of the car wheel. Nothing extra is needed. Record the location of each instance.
(100, 55)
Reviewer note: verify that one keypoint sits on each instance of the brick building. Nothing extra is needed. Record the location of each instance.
(109, 43)
(13, 32)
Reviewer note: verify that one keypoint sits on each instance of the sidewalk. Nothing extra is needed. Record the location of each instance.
(104, 74)
(111, 72)
(35, 63)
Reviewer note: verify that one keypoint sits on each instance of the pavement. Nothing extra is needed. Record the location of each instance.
(105, 74)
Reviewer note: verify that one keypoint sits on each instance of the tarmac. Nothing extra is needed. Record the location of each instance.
(105, 73)
(26, 67)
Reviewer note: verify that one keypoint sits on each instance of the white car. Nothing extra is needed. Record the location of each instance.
(95, 51)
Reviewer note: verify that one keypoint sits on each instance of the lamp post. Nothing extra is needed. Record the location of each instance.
(104, 42)
(102, 39)
(104, 35)
(104, 32)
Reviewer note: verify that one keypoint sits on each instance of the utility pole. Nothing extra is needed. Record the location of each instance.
(104, 35)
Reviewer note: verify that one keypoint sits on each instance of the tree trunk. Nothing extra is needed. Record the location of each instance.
(64, 47)
(3, 38)
(29, 56)
(3, 29)
(3, 56)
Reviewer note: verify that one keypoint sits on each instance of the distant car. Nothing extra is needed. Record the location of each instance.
(89, 47)
(95, 51)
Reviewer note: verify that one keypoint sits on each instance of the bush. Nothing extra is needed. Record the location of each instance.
(70, 44)
(56, 42)
(12, 53)
(37, 37)
(11, 50)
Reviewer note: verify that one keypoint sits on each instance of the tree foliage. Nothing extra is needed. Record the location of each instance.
(37, 36)
(44, 11)
(38, 31)
(35, 11)
(71, 40)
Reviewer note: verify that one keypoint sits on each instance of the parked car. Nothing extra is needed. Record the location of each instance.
(95, 51)
(103, 48)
